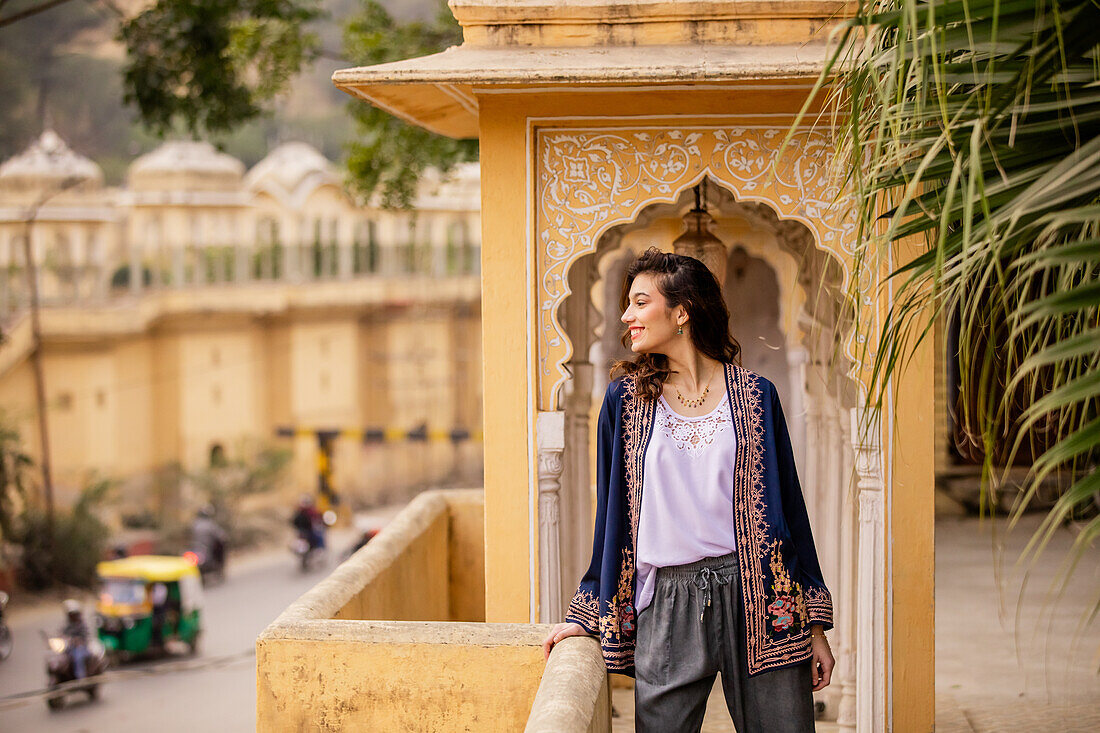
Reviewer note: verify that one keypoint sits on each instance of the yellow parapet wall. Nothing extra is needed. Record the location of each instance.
(391, 640)
(397, 676)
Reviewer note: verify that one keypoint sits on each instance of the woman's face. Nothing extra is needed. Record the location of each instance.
(651, 323)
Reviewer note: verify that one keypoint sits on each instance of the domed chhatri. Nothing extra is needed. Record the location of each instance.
(291, 172)
(185, 164)
(49, 161)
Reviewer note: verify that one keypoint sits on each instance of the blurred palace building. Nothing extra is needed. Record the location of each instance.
(203, 309)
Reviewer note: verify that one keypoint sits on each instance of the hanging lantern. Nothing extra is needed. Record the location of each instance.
(697, 240)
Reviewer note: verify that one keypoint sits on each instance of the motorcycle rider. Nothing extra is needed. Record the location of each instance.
(208, 536)
(307, 520)
(75, 633)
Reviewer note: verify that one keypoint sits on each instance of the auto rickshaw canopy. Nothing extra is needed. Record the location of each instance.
(153, 568)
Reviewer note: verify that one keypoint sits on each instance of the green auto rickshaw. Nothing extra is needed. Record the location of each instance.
(148, 604)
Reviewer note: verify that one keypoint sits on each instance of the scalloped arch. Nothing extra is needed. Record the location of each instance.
(590, 180)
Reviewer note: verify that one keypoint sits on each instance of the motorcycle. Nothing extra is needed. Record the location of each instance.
(309, 553)
(6, 642)
(211, 566)
(62, 671)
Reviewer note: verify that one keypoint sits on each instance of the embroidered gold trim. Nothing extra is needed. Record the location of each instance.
(617, 629)
(766, 646)
(584, 609)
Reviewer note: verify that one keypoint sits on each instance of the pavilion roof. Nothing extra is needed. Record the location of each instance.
(437, 92)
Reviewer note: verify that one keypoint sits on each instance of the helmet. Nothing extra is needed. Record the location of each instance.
(206, 510)
(305, 500)
(72, 607)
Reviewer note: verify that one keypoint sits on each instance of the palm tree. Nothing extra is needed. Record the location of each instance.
(970, 126)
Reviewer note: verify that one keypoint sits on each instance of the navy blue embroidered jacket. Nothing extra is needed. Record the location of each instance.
(782, 591)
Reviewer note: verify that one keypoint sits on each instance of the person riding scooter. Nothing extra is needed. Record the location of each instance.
(76, 657)
(75, 633)
(209, 541)
(307, 520)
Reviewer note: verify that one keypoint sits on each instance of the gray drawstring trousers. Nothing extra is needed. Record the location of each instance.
(693, 629)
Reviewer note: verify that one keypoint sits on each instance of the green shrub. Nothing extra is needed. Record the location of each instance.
(79, 538)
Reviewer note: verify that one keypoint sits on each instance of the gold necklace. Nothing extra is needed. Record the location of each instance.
(701, 398)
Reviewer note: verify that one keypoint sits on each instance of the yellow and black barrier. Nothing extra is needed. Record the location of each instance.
(421, 434)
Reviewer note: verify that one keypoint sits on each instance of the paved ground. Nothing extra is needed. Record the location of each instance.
(214, 692)
(1005, 661)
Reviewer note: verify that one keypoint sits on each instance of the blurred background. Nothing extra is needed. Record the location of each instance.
(230, 298)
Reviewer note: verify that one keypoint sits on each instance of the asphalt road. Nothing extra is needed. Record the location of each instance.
(215, 691)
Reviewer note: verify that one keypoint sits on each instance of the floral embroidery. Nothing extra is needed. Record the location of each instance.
(692, 435)
(788, 607)
(782, 608)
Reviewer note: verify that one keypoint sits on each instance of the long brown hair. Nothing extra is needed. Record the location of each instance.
(685, 281)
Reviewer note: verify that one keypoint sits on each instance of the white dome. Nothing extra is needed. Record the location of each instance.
(459, 189)
(187, 157)
(291, 172)
(48, 159)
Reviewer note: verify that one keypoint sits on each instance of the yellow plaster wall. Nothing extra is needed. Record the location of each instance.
(217, 392)
(133, 398)
(415, 685)
(507, 362)
(911, 542)
(413, 587)
(466, 548)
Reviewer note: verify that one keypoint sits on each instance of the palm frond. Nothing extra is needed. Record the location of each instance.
(972, 127)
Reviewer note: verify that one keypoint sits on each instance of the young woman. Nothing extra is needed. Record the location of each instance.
(703, 560)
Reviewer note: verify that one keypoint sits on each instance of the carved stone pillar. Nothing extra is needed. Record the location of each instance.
(844, 596)
(136, 279)
(576, 530)
(795, 411)
(550, 433)
(812, 478)
(871, 578)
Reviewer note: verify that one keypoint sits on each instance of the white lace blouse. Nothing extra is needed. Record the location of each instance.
(687, 493)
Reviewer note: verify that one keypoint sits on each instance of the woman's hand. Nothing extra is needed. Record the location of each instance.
(559, 632)
(822, 662)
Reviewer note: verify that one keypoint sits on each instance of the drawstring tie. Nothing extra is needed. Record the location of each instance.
(703, 581)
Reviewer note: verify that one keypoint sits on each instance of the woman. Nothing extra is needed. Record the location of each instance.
(711, 568)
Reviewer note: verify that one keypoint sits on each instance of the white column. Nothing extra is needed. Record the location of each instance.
(550, 433)
(576, 531)
(812, 477)
(844, 597)
(344, 262)
(871, 579)
(242, 253)
(135, 267)
(795, 412)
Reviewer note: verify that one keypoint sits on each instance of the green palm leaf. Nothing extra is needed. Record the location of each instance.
(974, 126)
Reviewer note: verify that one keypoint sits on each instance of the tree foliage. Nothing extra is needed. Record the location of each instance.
(389, 156)
(972, 126)
(15, 477)
(210, 65)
